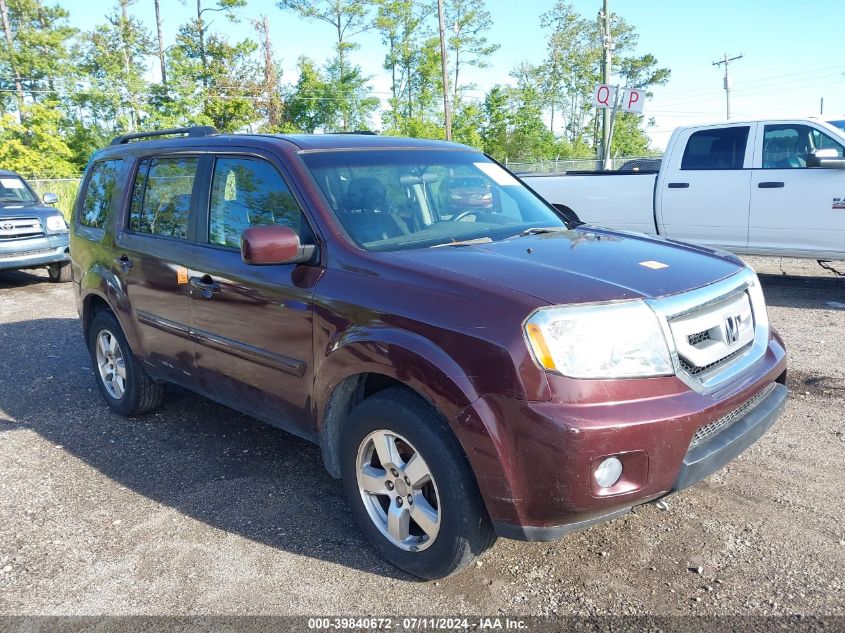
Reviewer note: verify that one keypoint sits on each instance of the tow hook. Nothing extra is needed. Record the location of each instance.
(661, 505)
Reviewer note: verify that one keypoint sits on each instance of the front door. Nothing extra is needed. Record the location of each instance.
(253, 324)
(796, 209)
(705, 193)
(150, 258)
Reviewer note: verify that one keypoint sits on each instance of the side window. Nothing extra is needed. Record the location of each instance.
(101, 184)
(823, 141)
(248, 192)
(161, 197)
(786, 146)
(722, 148)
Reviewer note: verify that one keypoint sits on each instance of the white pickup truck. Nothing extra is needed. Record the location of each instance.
(754, 187)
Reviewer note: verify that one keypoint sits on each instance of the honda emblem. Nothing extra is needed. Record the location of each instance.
(732, 324)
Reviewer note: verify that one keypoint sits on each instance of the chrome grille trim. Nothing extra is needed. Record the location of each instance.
(15, 254)
(673, 307)
(714, 428)
(16, 228)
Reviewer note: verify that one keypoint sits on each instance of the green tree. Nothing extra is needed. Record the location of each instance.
(469, 22)
(348, 18)
(36, 148)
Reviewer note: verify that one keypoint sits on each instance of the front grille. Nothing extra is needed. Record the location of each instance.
(714, 428)
(709, 337)
(694, 370)
(17, 228)
(700, 337)
(40, 251)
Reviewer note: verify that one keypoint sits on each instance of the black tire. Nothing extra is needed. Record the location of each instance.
(142, 394)
(465, 529)
(59, 273)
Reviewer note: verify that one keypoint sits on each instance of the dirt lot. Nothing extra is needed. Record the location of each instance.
(198, 509)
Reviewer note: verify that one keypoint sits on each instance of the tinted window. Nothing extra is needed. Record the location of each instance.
(161, 198)
(786, 146)
(400, 199)
(244, 193)
(722, 148)
(98, 195)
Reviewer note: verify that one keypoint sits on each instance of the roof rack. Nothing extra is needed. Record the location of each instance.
(194, 131)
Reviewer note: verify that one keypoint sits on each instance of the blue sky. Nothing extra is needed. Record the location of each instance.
(792, 50)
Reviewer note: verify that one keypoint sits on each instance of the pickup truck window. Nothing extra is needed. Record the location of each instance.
(786, 146)
(719, 148)
(402, 199)
(161, 198)
(13, 189)
(248, 192)
(94, 210)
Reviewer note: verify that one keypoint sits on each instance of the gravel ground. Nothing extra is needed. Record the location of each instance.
(198, 510)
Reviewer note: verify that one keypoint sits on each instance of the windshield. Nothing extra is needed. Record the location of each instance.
(402, 199)
(14, 190)
(839, 124)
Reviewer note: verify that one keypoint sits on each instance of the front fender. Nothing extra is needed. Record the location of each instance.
(427, 369)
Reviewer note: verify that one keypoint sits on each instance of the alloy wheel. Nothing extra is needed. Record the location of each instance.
(111, 364)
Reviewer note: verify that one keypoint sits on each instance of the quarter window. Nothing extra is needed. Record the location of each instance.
(161, 198)
(247, 192)
(98, 194)
(722, 148)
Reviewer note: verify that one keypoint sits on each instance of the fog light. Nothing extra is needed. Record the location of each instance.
(608, 472)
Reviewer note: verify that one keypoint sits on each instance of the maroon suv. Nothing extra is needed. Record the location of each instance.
(467, 375)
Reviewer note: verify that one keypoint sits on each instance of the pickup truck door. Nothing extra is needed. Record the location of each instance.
(252, 324)
(795, 209)
(703, 190)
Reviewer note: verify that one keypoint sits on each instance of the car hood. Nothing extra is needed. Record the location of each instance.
(581, 265)
(10, 210)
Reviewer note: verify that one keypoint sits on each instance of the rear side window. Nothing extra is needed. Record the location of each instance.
(161, 197)
(248, 192)
(716, 149)
(98, 195)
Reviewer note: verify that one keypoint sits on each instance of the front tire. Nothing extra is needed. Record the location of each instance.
(410, 487)
(59, 273)
(125, 385)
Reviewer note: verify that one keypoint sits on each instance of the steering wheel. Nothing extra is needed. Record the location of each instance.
(464, 214)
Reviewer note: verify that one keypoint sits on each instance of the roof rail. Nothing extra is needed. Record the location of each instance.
(194, 131)
(359, 132)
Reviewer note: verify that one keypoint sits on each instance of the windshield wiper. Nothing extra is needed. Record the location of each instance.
(539, 230)
(477, 240)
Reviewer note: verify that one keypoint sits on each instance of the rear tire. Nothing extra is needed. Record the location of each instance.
(125, 385)
(59, 273)
(447, 502)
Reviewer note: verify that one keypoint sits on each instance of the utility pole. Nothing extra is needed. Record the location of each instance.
(447, 110)
(821, 107)
(726, 61)
(607, 54)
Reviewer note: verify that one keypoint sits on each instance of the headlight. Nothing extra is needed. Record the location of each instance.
(611, 340)
(56, 223)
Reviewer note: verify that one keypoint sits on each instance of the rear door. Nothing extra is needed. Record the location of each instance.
(704, 191)
(150, 256)
(796, 209)
(252, 324)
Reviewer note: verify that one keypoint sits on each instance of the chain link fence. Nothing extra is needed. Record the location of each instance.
(65, 188)
(562, 166)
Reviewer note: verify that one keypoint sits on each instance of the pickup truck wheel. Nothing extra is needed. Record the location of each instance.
(410, 486)
(59, 273)
(122, 380)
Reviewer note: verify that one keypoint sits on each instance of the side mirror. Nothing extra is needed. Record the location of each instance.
(827, 158)
(50, 198)
(266, 245)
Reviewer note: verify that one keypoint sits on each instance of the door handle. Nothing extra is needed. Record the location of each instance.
(678, 185)
(206, 286)
(124, 262)
(771, 185)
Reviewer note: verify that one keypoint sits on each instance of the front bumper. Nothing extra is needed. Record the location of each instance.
(34, 252)
(536, 476)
